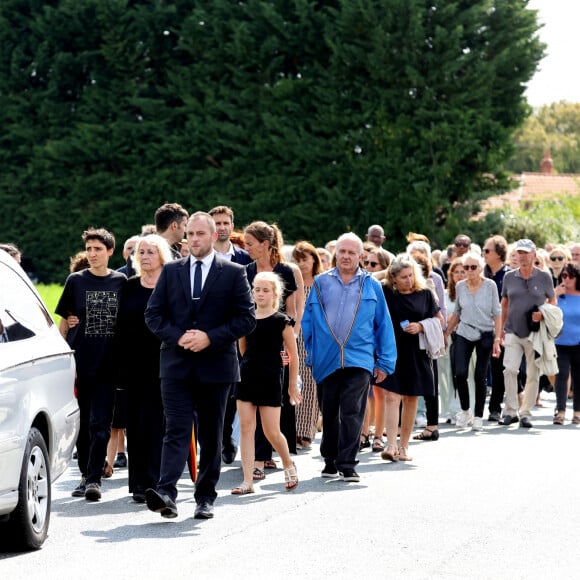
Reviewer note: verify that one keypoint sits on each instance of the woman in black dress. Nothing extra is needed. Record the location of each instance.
(138, 351)
(262, 242)
(410, 302)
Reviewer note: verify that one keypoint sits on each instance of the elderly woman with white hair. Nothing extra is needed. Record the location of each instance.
(138, 359)
(477, 322)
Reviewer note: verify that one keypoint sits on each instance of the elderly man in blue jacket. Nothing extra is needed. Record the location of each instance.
(349, 337)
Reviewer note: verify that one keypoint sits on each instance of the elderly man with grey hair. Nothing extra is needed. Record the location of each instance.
(349, 337)
(524, 290)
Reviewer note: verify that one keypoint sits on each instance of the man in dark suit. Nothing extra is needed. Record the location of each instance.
(223, 217)
(200, 307)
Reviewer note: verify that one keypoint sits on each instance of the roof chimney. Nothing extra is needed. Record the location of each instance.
(547, 164)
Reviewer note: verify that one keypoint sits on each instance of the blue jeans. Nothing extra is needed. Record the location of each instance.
(342, 398)
(463, 351)
(568, 362)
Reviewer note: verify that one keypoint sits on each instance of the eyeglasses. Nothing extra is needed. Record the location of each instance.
(462, 244)
(371, 264)
(487, 250)
(471, 267)
(559, 258)
(566, 275)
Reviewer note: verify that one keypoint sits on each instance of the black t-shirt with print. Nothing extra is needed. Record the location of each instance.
(95, 301)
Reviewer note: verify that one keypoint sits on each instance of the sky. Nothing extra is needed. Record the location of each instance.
(557, 77)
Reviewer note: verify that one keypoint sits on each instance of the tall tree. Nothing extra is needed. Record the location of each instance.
(320, 115)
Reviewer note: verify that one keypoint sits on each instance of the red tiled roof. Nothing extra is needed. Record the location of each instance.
(534, 187)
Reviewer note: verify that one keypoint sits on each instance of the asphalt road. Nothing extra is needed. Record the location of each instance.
(504, 503)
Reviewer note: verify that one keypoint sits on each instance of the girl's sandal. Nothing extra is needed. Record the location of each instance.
(270, 464)
(290, 477)
(558, 419)
(243, 489)
(390, 453)
(258, 474)
(576, 419)
(403, 454)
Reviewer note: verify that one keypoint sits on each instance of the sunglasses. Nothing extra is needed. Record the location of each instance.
(559, 258)
(371, 264)
(462, 244)
(471, 267)
(566, 275)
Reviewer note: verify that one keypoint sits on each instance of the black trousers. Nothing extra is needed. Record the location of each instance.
(96, 399)
(181, 399)
(145, 430)
(342, 398)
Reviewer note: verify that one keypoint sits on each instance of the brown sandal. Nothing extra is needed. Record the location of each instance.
(576, 419)
(258, 474)
(558, 419)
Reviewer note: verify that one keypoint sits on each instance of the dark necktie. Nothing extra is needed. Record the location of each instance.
(197, 280)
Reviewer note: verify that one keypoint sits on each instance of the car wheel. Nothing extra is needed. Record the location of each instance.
(29, 521)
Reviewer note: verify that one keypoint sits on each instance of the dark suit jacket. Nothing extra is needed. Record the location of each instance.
(241, 256)
(225, 312)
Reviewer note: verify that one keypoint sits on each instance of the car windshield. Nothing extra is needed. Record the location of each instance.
(22, 315)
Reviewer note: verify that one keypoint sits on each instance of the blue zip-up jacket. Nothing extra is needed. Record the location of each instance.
(370, 342)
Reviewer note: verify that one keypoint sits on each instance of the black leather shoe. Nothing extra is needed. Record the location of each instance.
(525, 423)
(495, 417)
(204, 511)
(161, 504)
(508, 420)
(229, 454)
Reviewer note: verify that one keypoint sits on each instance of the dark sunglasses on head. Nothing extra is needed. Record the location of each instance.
(559, 258)
(471, 267)
(567, 275)
(371, 264)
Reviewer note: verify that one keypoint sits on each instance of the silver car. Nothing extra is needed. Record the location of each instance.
(39, 416)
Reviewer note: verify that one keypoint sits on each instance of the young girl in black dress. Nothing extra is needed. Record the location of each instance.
(261, 384)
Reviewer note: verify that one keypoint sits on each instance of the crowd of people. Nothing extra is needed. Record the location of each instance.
(206, 325)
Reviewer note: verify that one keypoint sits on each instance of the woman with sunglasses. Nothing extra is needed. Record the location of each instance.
(558, 258)
(376, 262)
(477, 322)
(410, 303)
(445, 367)
(568, 342)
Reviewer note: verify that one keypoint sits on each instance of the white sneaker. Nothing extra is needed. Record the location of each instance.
(477, 424)
(464, 419)
(421, 421)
